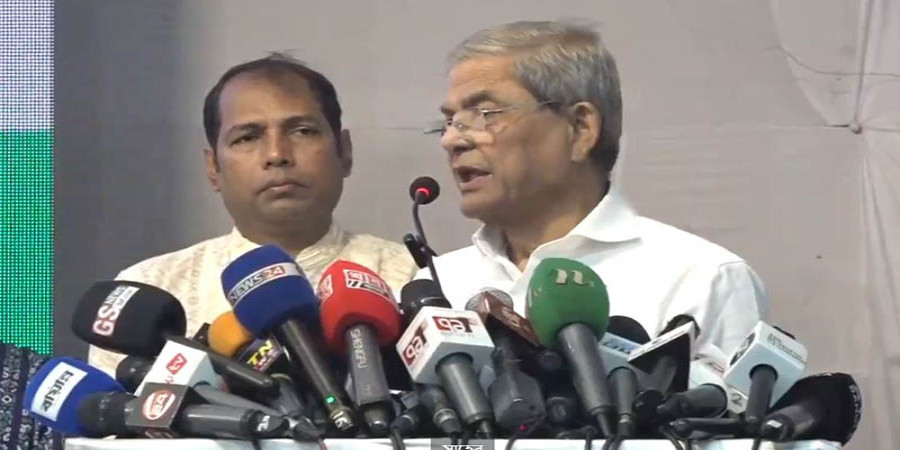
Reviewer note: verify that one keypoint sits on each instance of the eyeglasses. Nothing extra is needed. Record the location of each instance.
(476, 119)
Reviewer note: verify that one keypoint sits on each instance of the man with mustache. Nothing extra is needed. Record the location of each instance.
(278, 156)
(532, 121)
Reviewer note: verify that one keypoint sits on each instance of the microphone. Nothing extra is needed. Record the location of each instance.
(569, 309)
(189, 367)
(764, 366)
(128, 317)
(226, 336)
(422, 190)
(270, 294)
(708, 395)
(562, 406)
(708, 398)
(131, 371)
(56, 389)
(515, 396)
(824, 406)
(420, 293)
(172, 411)
(138, 319)
(697, 428)
(180, 364)
(413, 296)
(359, 317)
(623, 336)
(667, 358)
(443, 346)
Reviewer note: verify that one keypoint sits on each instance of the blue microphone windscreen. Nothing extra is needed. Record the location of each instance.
(56, 389)
(265, 286)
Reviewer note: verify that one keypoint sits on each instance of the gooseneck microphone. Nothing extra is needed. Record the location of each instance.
(270, 294)
(569, 310)
(422, 190)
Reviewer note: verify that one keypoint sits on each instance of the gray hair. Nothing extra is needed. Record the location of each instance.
(559, 62)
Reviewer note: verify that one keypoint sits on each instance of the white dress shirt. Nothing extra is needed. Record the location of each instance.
(652, 272)
(193, 274)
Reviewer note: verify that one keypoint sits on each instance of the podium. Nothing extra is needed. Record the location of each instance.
(425, 444)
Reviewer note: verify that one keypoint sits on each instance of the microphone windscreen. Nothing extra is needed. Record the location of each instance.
(420, 293)
(59, 386)
(266, 287)
(628, 328)
(226, 335)
(427, 186)
(564, 291)
(841, 398)
(128, 317)
(350, 294)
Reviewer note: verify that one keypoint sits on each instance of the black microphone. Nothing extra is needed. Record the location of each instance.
(422, 190)
(165, 410)
(515, 396)
(706, 427)
(139, 319)
(824, 406)
(562, 405)
(667, 358)
(622, 378)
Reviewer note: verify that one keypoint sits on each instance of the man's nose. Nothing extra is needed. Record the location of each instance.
(454, 141)
(279, 153)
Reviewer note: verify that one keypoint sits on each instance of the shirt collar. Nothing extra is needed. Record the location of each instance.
(313, 258)
(612, 220)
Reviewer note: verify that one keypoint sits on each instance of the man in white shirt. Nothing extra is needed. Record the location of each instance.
(533, 117)
(278, 156)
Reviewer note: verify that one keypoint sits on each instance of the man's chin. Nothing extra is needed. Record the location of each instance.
(479, 209)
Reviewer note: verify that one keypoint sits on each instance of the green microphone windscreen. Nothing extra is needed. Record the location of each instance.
(564, 291)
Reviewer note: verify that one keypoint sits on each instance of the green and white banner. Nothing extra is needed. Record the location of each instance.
(26, 173)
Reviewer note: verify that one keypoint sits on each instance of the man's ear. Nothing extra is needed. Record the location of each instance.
(586, 121)
(212, 167)
(346, 152)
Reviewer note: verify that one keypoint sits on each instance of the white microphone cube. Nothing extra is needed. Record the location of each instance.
(184, 365)
(438, 332)
(766, 345)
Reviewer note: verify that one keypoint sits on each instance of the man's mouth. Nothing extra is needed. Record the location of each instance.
(281, 185)
(468, 174)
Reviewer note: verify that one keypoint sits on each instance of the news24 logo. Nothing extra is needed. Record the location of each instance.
(259, 278)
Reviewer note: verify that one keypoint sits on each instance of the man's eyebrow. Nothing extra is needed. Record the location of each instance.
(470, 100)
(293, 121)
(244, 127)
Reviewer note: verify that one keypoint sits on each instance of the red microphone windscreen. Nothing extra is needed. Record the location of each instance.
(350, 294)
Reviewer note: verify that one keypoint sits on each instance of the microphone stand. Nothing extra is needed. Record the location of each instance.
(417, 244)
